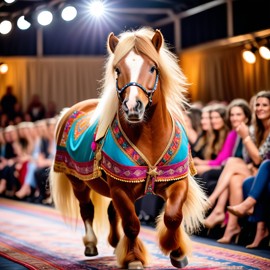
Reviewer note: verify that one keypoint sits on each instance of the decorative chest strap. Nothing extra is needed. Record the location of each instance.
(137, 174)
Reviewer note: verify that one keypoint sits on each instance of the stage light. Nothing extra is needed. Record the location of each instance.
(9, 1)
(22, 23)
(5, 27)
(249, 56)
(264, 52)
(44, 17)
(249, 53)
(3, 68)
(264, 49)
(69, 13)
(96, 8)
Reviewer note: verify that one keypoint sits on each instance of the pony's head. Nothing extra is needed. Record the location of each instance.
(140, 70)
(137, 74)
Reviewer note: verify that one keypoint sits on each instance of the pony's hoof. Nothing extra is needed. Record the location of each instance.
(135, 265)
(179, 262)
(90, 250)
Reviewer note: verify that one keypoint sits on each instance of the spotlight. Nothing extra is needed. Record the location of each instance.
(264, 50)
(22, 23)
(3, 68)
(249, 54)
(44, 17)
(96, 8)
(69, 13)
(9, 1)
(5, 27)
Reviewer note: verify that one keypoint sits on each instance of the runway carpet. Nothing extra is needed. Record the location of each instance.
(36, 237)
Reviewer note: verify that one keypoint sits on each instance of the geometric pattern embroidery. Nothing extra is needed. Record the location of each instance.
(135, 156)
(124, 144)
(173, 149)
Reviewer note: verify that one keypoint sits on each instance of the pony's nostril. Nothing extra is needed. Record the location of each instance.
(124, 105)
(139, 105)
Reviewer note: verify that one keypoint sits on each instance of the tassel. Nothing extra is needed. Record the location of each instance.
(94, 144)
(192, 168)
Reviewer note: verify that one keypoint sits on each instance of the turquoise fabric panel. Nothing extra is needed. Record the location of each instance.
(183, 150)
(112, 149)
(80, 149)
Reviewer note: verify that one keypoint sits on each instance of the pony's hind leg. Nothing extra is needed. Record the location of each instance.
(82, 193)
(173, 239)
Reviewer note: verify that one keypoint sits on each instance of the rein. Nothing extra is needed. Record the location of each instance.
(149, 93)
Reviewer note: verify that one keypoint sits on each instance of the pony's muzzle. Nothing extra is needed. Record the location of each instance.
(134, 113)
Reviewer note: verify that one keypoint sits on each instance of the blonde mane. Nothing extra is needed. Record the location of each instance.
(172, 80)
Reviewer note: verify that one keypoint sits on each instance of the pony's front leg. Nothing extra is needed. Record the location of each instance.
(114, 235)
(82, 193)
(173, 239)
(130, 251)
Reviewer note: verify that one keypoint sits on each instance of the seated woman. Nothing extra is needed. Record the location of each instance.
(238, 111)
(192, 121)
(257, 145)
(257, 192)
(198, 148)
(216, 141)
(28, 132)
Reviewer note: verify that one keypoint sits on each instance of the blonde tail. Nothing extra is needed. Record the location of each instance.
(195, 206)
(63, 197)
(101, 223)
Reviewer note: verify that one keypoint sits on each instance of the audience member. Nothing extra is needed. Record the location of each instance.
(36, 109)
(220, 131)
(28, 132)
(8, 102)
(256, 190)
(199, 146)
(51, 110)
(18, 116)
(4, 120)
(194, 126)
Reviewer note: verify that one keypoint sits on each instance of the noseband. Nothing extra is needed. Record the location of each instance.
(149, 93)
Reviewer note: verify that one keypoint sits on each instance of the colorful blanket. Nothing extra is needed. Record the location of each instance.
(80, 155)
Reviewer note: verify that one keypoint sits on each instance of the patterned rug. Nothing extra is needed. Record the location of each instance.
(36, 237)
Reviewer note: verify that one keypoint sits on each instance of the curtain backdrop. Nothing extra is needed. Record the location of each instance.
(214, 74)
(222, 74)
(64, 80)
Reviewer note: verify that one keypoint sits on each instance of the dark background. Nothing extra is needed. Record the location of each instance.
(85, 36)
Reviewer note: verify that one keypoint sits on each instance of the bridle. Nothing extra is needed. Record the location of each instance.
(149, 93)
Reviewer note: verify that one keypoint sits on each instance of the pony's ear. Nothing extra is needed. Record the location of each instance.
(112, 42)
(157, 40)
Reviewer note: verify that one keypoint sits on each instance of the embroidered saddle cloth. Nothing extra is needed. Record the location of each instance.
(78, 154)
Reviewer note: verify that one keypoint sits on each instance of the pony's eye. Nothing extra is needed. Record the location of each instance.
(117, 70)
(153, 68)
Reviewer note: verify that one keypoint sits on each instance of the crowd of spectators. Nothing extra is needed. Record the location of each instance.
(27, 148)
(231, 154)
(12, 113)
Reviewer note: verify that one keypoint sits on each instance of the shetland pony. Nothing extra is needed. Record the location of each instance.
(129, 143)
